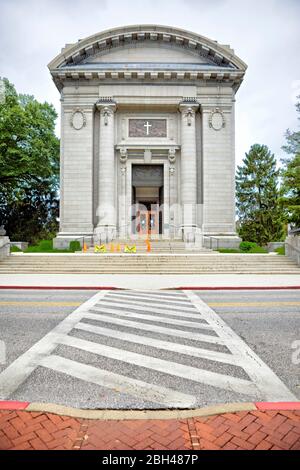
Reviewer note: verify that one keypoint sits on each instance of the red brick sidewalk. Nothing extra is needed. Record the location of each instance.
(274, 430)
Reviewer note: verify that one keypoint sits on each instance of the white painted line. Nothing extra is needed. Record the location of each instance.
(164, 293)
(145, 306)
(145, 297)
(155, 329)
(140, 298)
(160, 344)
(271, 388)
(154, 318)
(225, 382)
(17, 372)
(119, 383)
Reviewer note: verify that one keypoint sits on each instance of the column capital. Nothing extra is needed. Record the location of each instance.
(106, 103)
(188, 105)
(107, 108)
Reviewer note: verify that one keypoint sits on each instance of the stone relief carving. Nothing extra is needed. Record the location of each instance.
(189, 114)
(217, 120)
(188, 108)
(78, 119)
(172, 155)
(107, 108)
(106, 113)
(123, 155)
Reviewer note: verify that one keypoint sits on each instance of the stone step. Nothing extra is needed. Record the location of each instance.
(211, 263)
(149, 271)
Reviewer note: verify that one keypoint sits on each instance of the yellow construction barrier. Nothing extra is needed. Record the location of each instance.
(100, 249)
(130, 249)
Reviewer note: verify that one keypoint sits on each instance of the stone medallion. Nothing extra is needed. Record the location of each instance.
(217, 120)
(78, 120)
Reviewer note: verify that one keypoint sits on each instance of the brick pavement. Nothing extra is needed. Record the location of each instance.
(254, 430)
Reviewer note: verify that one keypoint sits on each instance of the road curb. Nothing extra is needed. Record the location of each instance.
(122, 415)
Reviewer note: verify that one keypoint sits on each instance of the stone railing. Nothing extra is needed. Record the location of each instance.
(292, 247)
(4, 247)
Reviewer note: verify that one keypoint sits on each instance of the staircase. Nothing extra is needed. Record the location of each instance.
(187, 263)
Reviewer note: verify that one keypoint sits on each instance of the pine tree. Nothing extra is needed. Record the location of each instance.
(291, 176)
(260, 215)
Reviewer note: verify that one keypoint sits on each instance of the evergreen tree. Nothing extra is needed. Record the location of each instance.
(291, 176)
(260, 215)
(29, 166)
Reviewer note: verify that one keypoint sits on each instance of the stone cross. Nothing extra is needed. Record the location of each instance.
(148, 126)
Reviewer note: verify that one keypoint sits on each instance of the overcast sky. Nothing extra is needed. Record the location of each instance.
(264, 33)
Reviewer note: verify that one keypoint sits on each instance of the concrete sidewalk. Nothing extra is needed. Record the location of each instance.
(150, 281)
(259, 427)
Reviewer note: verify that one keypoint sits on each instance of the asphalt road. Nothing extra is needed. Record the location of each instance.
(149, 349)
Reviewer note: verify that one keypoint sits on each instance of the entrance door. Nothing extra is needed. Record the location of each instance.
(148, 223)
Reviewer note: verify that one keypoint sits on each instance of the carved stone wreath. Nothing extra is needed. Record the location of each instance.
(78, 120)
(217, 120)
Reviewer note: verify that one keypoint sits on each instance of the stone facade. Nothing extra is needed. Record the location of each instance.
(147, 95)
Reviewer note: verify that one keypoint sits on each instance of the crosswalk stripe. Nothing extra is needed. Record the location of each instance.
(225, 382)
(158, 293)
(195, 336)
(154, 318)
(146, 306)
(19, 370)
(146, 297)
(160, 344)
(161, 311)
(168, 302)
(269, 385)
(119, 383)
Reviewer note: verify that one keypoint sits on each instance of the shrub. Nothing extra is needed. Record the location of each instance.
(246, 247)
(228, 250)
(75, 246)
(43, 246)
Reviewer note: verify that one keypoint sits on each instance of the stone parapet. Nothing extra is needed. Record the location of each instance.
(4, 247)
(292, 247)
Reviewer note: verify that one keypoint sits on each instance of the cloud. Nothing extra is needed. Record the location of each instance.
(264, 34)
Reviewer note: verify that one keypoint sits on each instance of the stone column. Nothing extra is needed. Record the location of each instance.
(106, 210)
(122, 196)
(188, 168)
(173, 193)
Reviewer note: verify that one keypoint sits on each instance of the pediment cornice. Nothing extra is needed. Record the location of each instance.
(101, 43)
